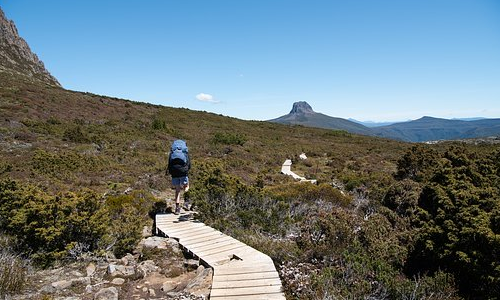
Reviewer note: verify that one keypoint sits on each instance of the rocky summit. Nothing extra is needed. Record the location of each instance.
(17, 57)
(301, 107)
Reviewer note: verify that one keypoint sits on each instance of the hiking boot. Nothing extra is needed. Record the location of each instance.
(186, 205)
(177, 209)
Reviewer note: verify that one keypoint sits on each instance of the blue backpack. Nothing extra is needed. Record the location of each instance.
(179, 151)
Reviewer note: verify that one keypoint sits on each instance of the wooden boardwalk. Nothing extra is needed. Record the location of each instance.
(240, 271)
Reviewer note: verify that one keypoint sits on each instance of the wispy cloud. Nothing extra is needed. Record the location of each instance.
(206, 98)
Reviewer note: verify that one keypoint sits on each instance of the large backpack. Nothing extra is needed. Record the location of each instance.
(178, 159)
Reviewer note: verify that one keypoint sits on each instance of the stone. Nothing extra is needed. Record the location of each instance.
(155, 242)
(118, 281)
(110, 293)
(128, 259)
(146, 267)
(146, 231)
(152, 292)
(76, 274)
(191, 264)
(120, 271)
(200, 269)
(47, 289)
(91, 268)
(201, 284)
(61, 285)
(81, 281)
(167, 286)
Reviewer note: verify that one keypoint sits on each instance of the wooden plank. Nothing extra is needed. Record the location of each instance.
(231, 247)
(245, 270)
(204, 242)
(211, 244)
(277, 296)
(250, 276)
(249, 254)
(196, 235)
(180, 230)
(209, 248)
(244, 291)
(196, 232)
(245, 283)
(176, 225)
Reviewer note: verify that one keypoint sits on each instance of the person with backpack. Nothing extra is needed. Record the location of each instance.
(179, 165)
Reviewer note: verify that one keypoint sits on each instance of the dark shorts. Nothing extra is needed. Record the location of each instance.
(180, 181)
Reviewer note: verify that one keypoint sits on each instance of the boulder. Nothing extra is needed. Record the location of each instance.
(155, 242)
(91, 268)
(168, 286)
(121, 271)
(146, 267)
(201, 284)
(118, 281)
(61, 285)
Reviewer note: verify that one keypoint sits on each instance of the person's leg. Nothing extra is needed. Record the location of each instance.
(177, 194)
(176, 182)
(185, 188)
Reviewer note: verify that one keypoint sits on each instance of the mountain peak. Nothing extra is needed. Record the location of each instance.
(301, 107)
(16, 55)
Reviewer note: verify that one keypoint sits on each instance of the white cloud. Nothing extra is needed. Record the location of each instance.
(206, 98)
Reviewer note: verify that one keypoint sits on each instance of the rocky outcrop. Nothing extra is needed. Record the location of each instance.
(157, 269)
(301, 107)
(16, 56)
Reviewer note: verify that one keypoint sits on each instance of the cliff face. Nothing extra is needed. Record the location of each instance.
(16, 55)
(301, 107)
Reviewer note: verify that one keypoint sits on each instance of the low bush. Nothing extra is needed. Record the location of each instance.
(228, 138)
(53, 227)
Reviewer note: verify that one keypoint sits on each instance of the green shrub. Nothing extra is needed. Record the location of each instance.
(228, 138)
(75, 134)
(63, 165)
(127, 215)
(49, 226)
(456, 218)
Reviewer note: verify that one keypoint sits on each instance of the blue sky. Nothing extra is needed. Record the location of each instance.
(379, 60)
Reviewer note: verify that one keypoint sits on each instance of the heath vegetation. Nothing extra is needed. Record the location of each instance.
(82, 173)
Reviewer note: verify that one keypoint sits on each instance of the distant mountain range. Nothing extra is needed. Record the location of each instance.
(421, 130)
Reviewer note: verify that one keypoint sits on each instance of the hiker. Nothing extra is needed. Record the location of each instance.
(178, 166)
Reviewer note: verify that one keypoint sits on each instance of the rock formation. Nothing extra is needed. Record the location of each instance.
(301, 107)
(17, 57)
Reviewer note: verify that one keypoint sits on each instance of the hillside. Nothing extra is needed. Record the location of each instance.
(125, 142)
